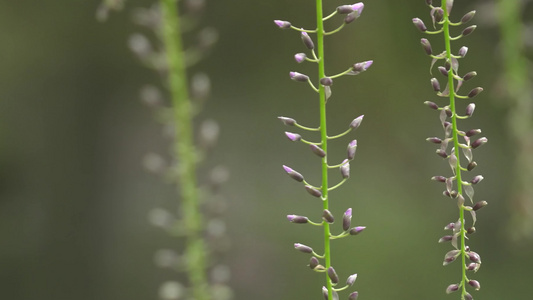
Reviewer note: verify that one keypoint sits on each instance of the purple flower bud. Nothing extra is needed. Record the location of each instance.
(351, 279)
(282, 24)
(344, 9)
(333, 275)
(442, 153)
(468, 296)
(313, 263)
(347, 219)
(434, 140)
(471, 166)
(468, 30)
(479, 142)
(473, 267)
(317, 150)
(298, 76)
(420, 24)
(470, 109)
(445, 238)
(439, 178)
(429, 2)
(293, 136)
(450, 226)
(476, 179)
(448, 112)
(357, 230)
(308, 42)
(357, 122)
(345, 169)
(474, 92)
(357, 9)
(328, 216)
(463, 51)
(450, 257)
(474, 257)
(427, 46)
(435, 84)
(293, 174)
(362, 66)
(469, 75)
(352, 147)
(313, 191)
(479, 205)
(475, 284)
(471, 230)
(287, 121)
(303, 248)
(353, 296)
(438, 14)
(443, 70)
(468, 16)
(326, 81)
(350, 18)
(297, 219)
(431, 105)
(472, 132)
(452, 288)
(325, 292)
(299, 57)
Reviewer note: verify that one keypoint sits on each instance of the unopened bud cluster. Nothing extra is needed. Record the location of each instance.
(313, 43)
(456, 145)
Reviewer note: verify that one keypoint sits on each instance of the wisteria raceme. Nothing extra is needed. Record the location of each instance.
(459, 141)
(313, 41)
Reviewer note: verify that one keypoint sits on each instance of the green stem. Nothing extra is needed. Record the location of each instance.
(184, 150)
(324, 138)
(455, 137)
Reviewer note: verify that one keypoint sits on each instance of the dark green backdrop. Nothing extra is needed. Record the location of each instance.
(74, 198)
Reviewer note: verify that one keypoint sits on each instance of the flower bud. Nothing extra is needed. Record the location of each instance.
(427, 46)
(452, 288)
(474, 92)
(473, 267)
(362, 66)
(468, 296)
(468, 16)
(476, 179)
(469, 75)
(442, 70)
(313, 191)
(328, 216)
(313, 262)
(475, 284)
(429, 2)
(470, 109)
(479, 142)
(439, 178)
(298, 77)
(344, 9)
(435, 84)
(445, 238)
(326, 81)
(293, 136)
(345, 169)
(474, 257)
(317, 150)
(287, 121)
(333, 275)
(357, 122)
(471, 230)
(299, 57)
(442, 153)
(352, 147)
(449, 6)
(450, 226)
(472, 132)
(468, 30)
(350, 18)
(471, 166)
(434, 140)
(351, 279)
(358, 8)
(357, 230)
(325, 292)
(450, 257)
(297, 219)
(293, 174)
(347, 219)
(431, 105)
(303, 248)
(463, 51)
(420, 24)
(282, 24)
(308, 42)
(353, 296)
(438, 14)
(479, 205)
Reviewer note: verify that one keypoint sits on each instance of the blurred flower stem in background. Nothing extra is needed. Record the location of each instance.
(519, 99)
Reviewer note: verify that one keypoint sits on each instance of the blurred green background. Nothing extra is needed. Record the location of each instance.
(74, 197)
